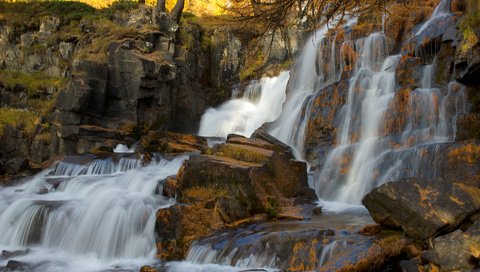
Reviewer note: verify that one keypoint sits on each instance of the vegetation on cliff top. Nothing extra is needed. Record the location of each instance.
(41, 93)
(202, 7)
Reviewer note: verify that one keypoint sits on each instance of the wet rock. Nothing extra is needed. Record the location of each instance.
(427, 43)
(170, 187)
(453, 252)
(12, 254)
(386, 246)
(147, 268)
(423, 208)
(235, 182)
(409, 73)
(175, 143)
(179, 225)
(468, 127)
(321, 130)
(15, 266)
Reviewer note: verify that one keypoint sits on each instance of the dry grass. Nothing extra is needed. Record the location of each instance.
(22, 119)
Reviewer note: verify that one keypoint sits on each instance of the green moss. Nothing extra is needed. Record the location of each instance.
(24, 12)
(35, 84)
(240, 154)
(272, 207)
(22, 119)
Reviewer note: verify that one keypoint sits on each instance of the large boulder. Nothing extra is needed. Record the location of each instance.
(423, 208)
(241, 180)
(456, 251)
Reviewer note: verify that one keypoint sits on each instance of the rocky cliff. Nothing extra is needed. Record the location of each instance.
(114, 74)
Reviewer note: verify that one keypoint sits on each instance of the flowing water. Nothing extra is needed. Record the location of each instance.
(87, 214)
(98, 214)
(379, 140)
(442, 10)
(260, 103)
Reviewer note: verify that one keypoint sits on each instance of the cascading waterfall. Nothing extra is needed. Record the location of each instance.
(357, 164)
(443, 9)
(261, 103)
(95, 211)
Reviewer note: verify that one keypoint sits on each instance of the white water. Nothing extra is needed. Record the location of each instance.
(262, 102)
(357, 164)
(442, 10)
(91, 217)
(121, 148)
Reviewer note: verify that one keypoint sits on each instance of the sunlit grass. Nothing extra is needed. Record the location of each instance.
(200, 7)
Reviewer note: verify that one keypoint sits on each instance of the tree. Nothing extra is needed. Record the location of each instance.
(161, 6)
(272, 14)
(177, 10)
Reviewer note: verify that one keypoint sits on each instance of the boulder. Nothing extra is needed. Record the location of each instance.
(423, 208)
(455, 251)
(172, 143)
(241, 180)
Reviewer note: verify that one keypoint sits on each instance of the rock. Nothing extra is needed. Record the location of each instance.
(467, 59)
(235, 182)
(423, 208)
(320, 134)
(457, 6)
(177, 227)
(66, 50)
(138, 17)
(468, 127)
(12, 254)
(175, 143)
(412, 265)
(170, 187)
(147, 268)
(16, 266)
(49, 24)
(16, 165)
(76, 97)
(459, 250)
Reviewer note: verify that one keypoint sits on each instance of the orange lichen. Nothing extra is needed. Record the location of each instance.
(469, 153)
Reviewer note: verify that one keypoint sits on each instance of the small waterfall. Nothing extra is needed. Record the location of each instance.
(81, 165)
(261, 102)
(102, 213)
(366, 139)
(309, 74)
(443, 9)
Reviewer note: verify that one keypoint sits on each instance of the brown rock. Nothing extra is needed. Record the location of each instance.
(178, 226)
(423, 208)
(176, 143)
(237, 181)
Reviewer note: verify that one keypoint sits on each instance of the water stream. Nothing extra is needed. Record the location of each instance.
(98, 214)
(377, 141)
(86, 214)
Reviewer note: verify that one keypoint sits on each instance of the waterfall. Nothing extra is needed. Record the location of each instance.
(261, 102)
(271, 100)
(86, 210)
(443, 9)
(365, 140)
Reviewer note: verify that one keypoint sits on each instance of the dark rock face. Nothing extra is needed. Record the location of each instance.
(244, 179)
(423, 208)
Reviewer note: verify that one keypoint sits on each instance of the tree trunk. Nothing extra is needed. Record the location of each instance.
(141, 2)
(161, 6)
(177, 10)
